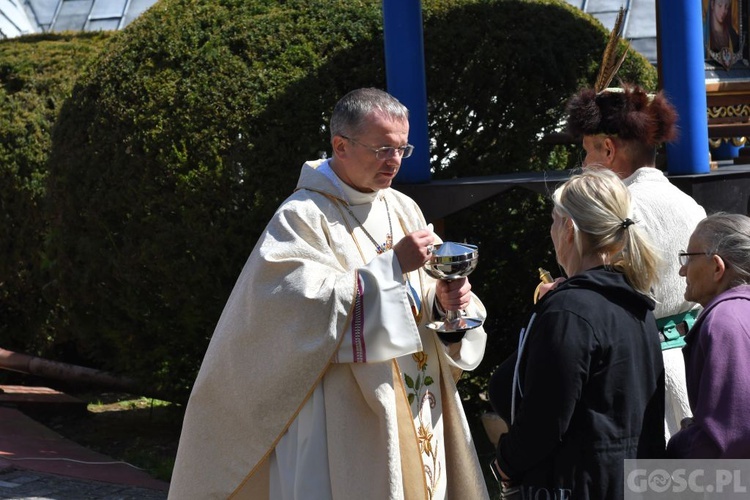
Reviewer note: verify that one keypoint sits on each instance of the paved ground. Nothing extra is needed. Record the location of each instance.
(27, 484)
(38, 463)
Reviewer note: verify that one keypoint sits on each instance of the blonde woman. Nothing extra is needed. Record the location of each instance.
(588, 384)
(621, 131)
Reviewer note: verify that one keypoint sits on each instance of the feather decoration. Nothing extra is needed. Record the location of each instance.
(610, 61)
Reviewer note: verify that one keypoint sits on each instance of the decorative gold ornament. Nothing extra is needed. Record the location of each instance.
(545, 277)
(739, 110)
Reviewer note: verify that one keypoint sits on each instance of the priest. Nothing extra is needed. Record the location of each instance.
(322, 379)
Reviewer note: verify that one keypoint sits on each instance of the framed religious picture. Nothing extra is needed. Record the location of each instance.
(724, 32)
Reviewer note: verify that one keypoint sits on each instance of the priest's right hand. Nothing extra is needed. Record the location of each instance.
(414, 249)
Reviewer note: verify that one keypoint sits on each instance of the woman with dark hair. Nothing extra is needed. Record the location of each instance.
(621, 130)
(588, 377)
(717, 351)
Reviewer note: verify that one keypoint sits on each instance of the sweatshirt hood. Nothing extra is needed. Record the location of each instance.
(607, 281)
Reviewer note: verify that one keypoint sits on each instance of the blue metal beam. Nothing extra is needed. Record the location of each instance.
(684, 82)
(405, 78)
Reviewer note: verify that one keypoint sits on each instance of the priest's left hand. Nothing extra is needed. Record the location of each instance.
(453, 295)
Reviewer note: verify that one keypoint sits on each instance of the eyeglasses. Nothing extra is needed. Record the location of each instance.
(385, 152)
(684, 257)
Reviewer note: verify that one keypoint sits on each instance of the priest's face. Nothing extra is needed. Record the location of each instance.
(356, 161)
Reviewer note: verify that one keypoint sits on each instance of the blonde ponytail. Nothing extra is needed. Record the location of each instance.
(598, 203)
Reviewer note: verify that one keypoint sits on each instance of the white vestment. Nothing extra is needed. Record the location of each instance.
(318, 381)
(669, 217)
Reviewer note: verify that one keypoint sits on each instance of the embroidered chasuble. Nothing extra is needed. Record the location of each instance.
(346, 394)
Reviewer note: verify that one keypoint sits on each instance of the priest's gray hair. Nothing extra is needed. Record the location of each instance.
(352, 109)
(598, 204)
(728, 236)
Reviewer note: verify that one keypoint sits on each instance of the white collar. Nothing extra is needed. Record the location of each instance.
(351, 195)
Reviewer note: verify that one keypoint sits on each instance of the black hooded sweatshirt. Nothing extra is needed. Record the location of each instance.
(589, 390)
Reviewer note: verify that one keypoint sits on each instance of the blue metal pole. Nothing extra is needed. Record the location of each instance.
(405, 77)
(684, 82)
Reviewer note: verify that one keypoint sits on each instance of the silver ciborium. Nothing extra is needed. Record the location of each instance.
(450, 261)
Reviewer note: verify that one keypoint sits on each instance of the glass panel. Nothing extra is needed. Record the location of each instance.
(642, 22)
(607, 19)
(76, 7)
(43, 10)
(605, 6)
(13, 20)
(73, 15)
(108, 9)
(136, 8)
(8, 30)
(103, 24)
(646, 46)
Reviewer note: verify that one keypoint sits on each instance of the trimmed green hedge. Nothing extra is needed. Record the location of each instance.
(172, 155)
(37, 74)
(180, 142)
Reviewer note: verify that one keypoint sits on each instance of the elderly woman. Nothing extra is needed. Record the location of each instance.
(588, 384)
(717, 351)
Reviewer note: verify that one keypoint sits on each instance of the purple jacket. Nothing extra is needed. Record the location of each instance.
(717, 366)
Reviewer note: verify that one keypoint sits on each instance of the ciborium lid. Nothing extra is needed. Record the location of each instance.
(451, 260)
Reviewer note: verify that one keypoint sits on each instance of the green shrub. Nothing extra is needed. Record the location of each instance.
(184, 137)
(36, 76)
